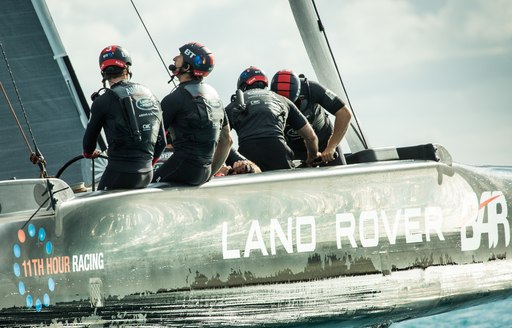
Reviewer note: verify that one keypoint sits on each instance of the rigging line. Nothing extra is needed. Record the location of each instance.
(34, 214)
(150, 38)
(19, 99)
(15, 117)
(41, 206)
(321, 27)
(37, 157)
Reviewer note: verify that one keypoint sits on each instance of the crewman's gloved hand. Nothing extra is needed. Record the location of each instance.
(94, 154)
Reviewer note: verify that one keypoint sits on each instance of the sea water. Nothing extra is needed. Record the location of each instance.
(491, 315)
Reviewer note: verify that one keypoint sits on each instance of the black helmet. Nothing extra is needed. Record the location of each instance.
(198, 57)
(287, 84)
(251, 75)
(114, 56)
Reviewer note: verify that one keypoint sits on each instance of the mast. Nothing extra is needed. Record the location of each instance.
(317, 48)
(62, 59)
(71, 81)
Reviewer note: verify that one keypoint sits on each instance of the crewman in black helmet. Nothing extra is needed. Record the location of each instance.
(260, 122)
(131, 117)
(195, 116)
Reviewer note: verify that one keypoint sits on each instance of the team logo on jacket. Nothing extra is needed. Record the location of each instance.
(146, 104)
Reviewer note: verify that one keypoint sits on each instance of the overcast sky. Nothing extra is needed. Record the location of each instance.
(415, 71)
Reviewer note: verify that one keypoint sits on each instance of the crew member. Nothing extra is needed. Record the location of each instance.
(131, 117)
(259, 120)
(315, 102)
(195, 115)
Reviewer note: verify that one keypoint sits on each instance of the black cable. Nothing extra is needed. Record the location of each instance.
(41, 206)
(41, 162)
(154, 45)
(15, 117)
(322, 29)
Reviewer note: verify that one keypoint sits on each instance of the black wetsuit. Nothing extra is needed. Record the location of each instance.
(134, 137)
(195, 116)
(313, 102)
(260, 128)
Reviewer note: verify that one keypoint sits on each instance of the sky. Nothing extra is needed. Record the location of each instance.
(415, 71)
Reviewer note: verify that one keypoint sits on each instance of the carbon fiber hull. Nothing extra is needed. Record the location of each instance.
(360, 244)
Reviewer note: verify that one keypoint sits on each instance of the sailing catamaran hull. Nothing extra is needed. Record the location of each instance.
(360, 244)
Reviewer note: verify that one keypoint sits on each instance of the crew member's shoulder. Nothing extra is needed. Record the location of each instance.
(319, 89)
(231, 106)
(105, 96)
(175, 94)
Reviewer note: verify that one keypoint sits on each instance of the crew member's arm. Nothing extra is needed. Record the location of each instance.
(160, 144)
(93, 130)
(341, 122)
(245, 166)
(236, 163)
(222, 149)
(300, 124)
(239, 164)
(311, 141)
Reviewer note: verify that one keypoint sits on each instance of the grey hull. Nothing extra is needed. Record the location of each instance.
(360, 244)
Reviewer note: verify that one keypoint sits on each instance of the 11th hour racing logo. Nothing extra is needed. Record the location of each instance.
(36, 265)
(485, 218)
(26, 269)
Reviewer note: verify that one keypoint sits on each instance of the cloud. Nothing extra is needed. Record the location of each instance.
(387, 35)
(402, 61)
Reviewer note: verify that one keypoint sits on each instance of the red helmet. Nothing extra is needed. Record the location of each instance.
(198, 57)
(251, 75)
(114, 56)
(287, 84)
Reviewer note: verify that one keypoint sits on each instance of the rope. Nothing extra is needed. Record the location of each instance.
(35, 157)
(321, 27)
(154, 45)
(16, 118)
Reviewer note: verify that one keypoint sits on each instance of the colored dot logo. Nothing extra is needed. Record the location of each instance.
(29, 270)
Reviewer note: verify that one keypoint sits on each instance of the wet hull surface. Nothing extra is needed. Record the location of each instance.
(360, 244)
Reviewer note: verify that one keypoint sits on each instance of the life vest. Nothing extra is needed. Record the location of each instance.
(313, 112)
(256, 101)
(207, 118)
(142, 114)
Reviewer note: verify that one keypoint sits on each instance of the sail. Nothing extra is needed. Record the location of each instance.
(318, 52)
(36, 63)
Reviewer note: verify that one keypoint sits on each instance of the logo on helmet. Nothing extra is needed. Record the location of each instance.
(109, 49)
(189, 53)
(199, 60)
(107, 55)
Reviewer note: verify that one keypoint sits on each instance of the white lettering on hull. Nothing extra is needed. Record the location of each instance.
(415, 225)
(305, 238)
(87, 262)
(495, 205)
(370, 223)
(300, 232)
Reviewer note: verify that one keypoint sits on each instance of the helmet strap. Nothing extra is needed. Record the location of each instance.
(104, 79)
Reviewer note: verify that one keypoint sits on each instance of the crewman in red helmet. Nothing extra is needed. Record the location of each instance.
(131, 117)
